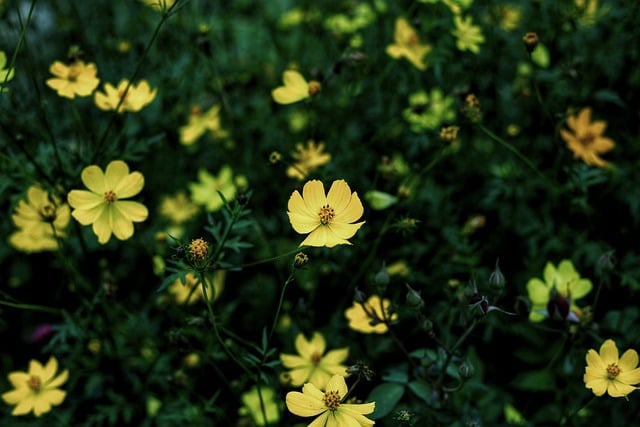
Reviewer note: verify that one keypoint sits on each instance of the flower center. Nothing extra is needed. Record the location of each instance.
(314, 88)
(332, 399)
(613, 371)
(326, 214)
(413, 39)
(48, 213)
(34, 382)
(315, 358)
(110, 196)
(74, 73)
(587, 139)
(198, 249)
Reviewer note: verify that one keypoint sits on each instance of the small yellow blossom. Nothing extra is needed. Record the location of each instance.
(407, 44)
(103, 205)
(190, 291)
(605, 372)
(73, 79)
(509, 16)
(178, 208)
(329, 220)
(309, 157)
(6, 74)
(199, 122)
(133, 99)
(368, 317)
(310, 366)
(36, 390)
(586, 138)
(159, 5)
(328, 406)
(295, 88)
(253, 408)
(205, 191)
(468, 36)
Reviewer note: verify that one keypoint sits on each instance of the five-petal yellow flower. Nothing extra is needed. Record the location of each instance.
(103, 206)
(295, 88)
(605, 372)
(468, 36)
(371, 316)
(199, 122)
(329, 219)
(76, 78)
(586, 138)
(133, 99)
(407, 44)
(309, 157)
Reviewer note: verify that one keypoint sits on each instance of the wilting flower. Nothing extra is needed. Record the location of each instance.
(199, 122)
(190, 291)
(309, 157)
(468, 36)
(407, 45)
(556, 295)
(205, 191)
(76, 78)
(429, 111)
(329, 219)
(103, 205)
(586, 138)
(370, 317)
(6, 74)
(295, 88)
(252, 406)
(310, 366)
(133, 99)
(605, 372)
(36, 390)
(328, 405)
(178, 208)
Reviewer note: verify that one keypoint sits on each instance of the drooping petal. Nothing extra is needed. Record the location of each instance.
(292, 361)
(609, 352)
(304, 405)
(344, 231)
(352, 212)
(595, 361)
(303, 223)
(94, 179)
(538, 291)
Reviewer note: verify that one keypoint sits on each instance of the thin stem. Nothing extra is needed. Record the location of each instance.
(32, 307)
(280, 302)
(452, 350)
(567, 419)
(23, 31)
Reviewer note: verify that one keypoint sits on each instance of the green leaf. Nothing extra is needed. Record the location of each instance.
(540, 56)
(541, 380)
(386, 396)
(421, 389)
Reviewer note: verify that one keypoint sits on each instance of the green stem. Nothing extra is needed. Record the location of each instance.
(453, 349)
(32, 307)
(280, 302)
(567, 419)
(23, 31)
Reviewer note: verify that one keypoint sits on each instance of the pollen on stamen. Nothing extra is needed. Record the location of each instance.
(326, 214)
(613, 371)
(34, 382)
(316, 358)
(332, 399)
(110, 196)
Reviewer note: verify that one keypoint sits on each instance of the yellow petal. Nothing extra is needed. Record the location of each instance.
(343, 232)
(132, 211)
(304, 405)
(49, 370)
(598, 386)
(322, 421)
(59, 380)
(313, 195)
(102, 226)
(300, 376)
(609, 352)
(628, 361)
(293, 361)
(298, 206)
(25, 406)
(595, 361)
(335, 357)
(116, 171)
(94, 179)
(303, 223)
(629, 377)
(288, 95)
(120, 225)
(538, 291)
(337, 383)
(618, 389)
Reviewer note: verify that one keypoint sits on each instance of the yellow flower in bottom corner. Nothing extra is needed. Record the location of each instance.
(36, 390)
(328, 405)
(605, 372)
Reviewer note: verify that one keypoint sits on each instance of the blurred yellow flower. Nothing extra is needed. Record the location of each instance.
(328, 405)
(6, 74)
(178, 208)
(586, 138)
(407, 44)
(205, 191)
(199, 122)
(103, 206)
(159, 5)
(309, 157)
(469, 36)
(295, 88)
(368, 317)
(36, 390)
(133, 100)
(328, 219)
(605, 372)
(310, 366)
(252, 406)
(76, 78)
(190, 291)
(509, 16)
(41, 221)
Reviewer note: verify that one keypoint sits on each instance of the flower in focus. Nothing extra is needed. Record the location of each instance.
(310, 366)
(556, 295)
(328, 405)
(407, 44)
(368, 317)
(428, 111)
(190, 291)
(205, 191)
(308, 158)
(36, 390)
(586, 138)
(178, 208)
(133, 99)
(295, 88)
(159, 5)
(328, 219)
(6, 74)
(252, 407)
(605, 372)
(76, 78)
(103, 205)
(199, 122)
(468, 36)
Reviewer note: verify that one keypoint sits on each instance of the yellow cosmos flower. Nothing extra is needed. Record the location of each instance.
(199, 122)
(605, 372)
(309, 157)
(328, 406)
(178, 208)
(586, 138)
(205, 191)
(103, 206)
(36, 390)
(134, 99)
(6, 74)
(370, 317)
(253, 408)
(41, 221)
(74, 79)
(310, 365)
(191, 291)
(469, 36)
(407, 45)
(295, 88)
(328, 219)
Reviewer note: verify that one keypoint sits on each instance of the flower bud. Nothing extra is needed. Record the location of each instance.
(530, 41)
(466, 370)
(381, 279)
(496, 279)
(414, 300)
(300, 259)
(426, 325)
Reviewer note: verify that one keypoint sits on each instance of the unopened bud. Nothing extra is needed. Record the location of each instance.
(530, 41)
(496, 279)
(466, 370)
(300, 259)
(414, 300)
(381, 279)
(359, 297)
(426, 325)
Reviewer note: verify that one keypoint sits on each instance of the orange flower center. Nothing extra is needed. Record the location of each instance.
(48, 213)
(34, 382)
(314, 88)
(198, 249)
(587, 139)
(110, 196)
(315, 358)
(196, 110)
(413, 39)
(332, 399)
(326, 214)
(613, 371)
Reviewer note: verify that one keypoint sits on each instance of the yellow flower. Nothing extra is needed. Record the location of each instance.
(328, 406)
(159, 5)
(135, 98)
(310, 365)
(252, 406)
(103, 206)
(5, 74)
(468, 36)
(556, 295)
(328, 219)
(205, 191)
(74, 79)
(191, 291)
(308, 158)
(368, 317)
(198, 123)
(586, 139)
(605, 372)
(295, 88)
(36, 390)
(179, 208)
(41, 221)
(407, 44)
